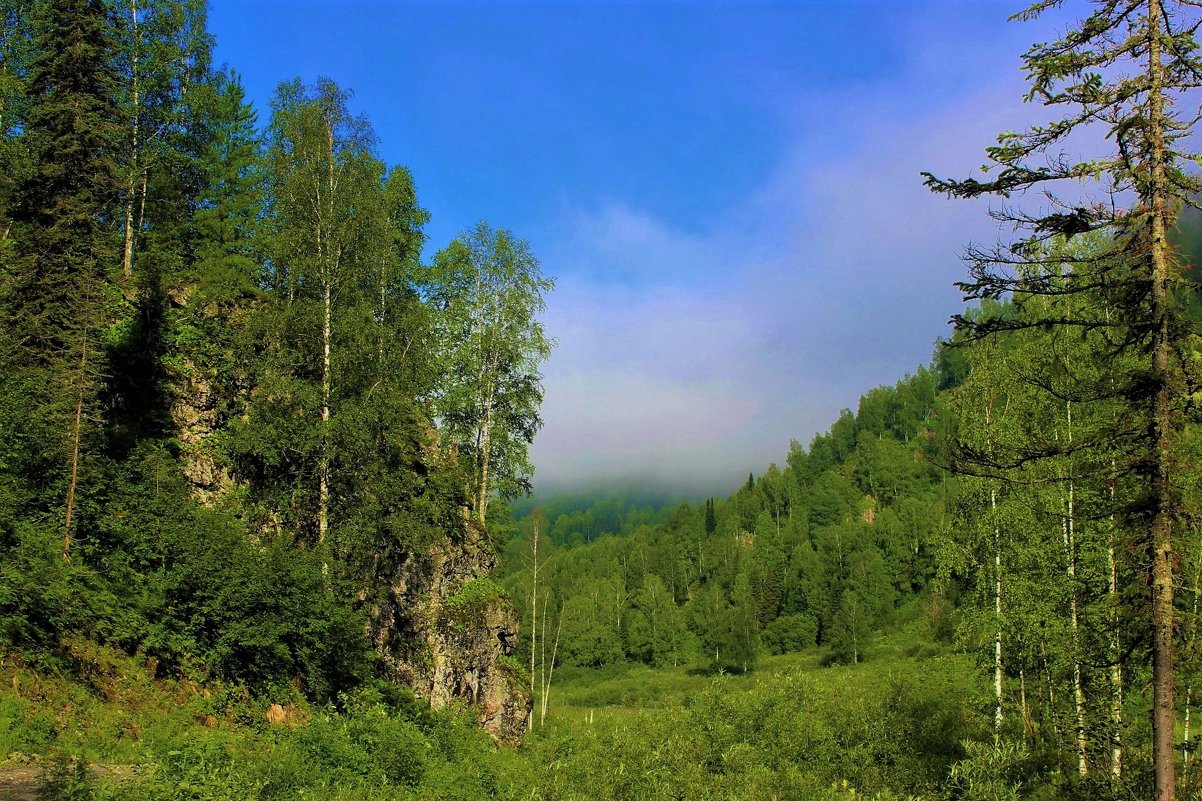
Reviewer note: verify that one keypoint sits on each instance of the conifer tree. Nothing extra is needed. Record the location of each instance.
(1119, 76)
(57, 300)
(16, 37)
(216, 299)
(231, 204)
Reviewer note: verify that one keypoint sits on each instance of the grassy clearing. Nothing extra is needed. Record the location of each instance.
(891, 727)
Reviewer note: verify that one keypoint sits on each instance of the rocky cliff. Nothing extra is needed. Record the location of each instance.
(447, 630)
(435, 618)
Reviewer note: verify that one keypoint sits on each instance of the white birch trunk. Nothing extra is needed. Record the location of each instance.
(1070, 556)
(999, 714)
(551, 670)
(127, 256)
(533, 622)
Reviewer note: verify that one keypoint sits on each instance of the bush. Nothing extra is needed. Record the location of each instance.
(790, 633)
(65, 779)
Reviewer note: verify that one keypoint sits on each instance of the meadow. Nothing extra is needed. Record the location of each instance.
(895, 726)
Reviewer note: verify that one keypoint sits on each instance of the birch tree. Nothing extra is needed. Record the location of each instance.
(489, 291)
(324, 178)
(163, 56)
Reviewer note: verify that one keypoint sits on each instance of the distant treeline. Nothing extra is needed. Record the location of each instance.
(574, 518)
(821, 551)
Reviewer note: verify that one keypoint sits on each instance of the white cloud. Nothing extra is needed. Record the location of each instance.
(691, 358)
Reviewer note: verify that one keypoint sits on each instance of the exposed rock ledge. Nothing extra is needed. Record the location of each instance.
(443, 626)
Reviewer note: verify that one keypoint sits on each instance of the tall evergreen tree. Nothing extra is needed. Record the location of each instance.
(1119, 73)
(217, 301)
(57, 296)
(16, 40)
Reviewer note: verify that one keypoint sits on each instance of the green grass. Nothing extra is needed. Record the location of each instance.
(889, 728)
(175, 740)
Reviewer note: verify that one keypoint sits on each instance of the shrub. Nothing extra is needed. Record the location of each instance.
(790, 633)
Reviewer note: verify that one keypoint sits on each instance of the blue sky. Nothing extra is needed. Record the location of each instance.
(727, 194)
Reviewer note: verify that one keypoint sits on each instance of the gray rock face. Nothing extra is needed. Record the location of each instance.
(195, 414)
(443, 627)
(435, 618)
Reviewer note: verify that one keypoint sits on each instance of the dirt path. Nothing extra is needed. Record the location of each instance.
(21, 783)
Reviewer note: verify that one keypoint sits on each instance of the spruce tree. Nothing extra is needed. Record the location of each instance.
(1118, 76)
(58, 300)
(215, 299)
(16, 39)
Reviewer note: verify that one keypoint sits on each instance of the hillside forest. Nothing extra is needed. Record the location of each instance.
(266, 524)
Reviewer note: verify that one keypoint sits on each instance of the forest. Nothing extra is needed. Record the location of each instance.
(266, 522)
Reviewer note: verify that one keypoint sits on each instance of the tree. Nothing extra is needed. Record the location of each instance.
(851, 627)
(656, 625)
(163, 58)
(592, 634)
(57, 300)
(324, 181)
(16, 45)
(1118, 75)
(216, 291)
(489, 291)
(402, 321)
(232, 203)
(740, 636)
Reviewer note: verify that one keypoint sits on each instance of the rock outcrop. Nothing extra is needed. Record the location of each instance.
(447, 630)
(197, 393)
(194, 411)
(436, 619)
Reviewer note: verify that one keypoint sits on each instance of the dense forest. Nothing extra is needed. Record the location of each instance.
(263, 467)
(232, 383)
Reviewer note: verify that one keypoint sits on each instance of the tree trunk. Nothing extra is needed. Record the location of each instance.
(326, 257)
(1070, 555)
(323, 479)
(998, 715)
(380, 314)
(533, 621)
(76, 436)
(1113, 600)
(551, 670)
(127, 257)
(542, 659)
(1116, 673)
(485, 449)
(1191, 648)
(1163, 750)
